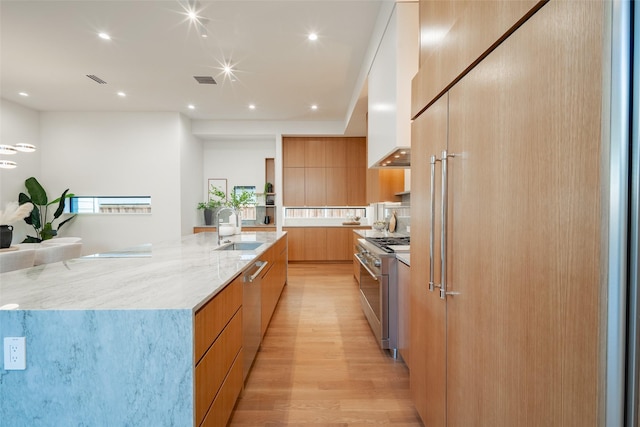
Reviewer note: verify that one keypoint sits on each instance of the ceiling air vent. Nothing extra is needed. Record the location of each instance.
(205, 80)
(96, 79)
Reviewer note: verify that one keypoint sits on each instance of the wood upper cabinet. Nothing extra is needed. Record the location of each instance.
(314, 153)
(384, 184)
(337, 186)
(336, 152)
(293, 186)
(474, 25)
(315, 186)
(293, 152)
(333, 171)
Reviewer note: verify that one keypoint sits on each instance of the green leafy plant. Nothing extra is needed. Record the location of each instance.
(217, 198)
(38, 219)
(245, 198)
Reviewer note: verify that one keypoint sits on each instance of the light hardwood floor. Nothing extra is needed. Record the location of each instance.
(319, 363)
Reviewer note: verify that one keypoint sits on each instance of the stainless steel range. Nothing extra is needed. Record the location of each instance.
(379, 286)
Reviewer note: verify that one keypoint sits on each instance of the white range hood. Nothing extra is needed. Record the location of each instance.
(389, 90)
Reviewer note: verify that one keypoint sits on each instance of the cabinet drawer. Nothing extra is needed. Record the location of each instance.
(215, 365)
(211, 319)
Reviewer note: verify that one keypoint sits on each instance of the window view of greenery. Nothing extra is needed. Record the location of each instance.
(109, 204)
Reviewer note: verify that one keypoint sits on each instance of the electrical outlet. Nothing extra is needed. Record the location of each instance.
(15, 353)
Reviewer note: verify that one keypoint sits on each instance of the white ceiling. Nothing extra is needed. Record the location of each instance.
(47, 49)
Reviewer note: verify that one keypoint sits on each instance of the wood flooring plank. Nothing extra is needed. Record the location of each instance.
(319, 363)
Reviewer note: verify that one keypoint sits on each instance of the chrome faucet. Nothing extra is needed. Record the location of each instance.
(218, 221)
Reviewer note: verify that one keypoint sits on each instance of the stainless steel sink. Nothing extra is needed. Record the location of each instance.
(240, 246)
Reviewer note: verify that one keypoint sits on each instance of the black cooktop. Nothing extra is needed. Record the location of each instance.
(384, 242)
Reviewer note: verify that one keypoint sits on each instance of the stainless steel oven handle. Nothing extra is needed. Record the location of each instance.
(362, 263)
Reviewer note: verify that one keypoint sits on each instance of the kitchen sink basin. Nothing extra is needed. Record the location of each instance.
(240, 246)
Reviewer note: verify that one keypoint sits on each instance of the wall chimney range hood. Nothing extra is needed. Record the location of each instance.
(399, 159)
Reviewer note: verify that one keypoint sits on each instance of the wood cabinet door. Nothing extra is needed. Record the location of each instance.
(336, 186)
(339, 243)
(356, 185)
(336, 152)
(293, 186)
(314, 153)
(293, 152)
(523, 332)
(315, 187)
(295, 237)
(356, 152)
(315, 243)
(428, 311)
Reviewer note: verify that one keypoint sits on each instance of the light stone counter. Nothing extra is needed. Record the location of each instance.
(172, 275)
(110, 338)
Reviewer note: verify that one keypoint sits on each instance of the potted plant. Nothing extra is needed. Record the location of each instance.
(237, 202)
(38, 219)
(217, 199)
(13, 212)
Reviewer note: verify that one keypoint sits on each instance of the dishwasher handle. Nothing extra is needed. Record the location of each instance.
(252, 277)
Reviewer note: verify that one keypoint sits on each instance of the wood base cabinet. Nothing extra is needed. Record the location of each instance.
(511, 335)
(320, 243)
(218, 350)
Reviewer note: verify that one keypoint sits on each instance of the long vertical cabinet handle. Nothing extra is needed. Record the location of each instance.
(443, 230)
(433, 221)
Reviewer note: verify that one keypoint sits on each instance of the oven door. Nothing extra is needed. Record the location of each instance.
(373, 299)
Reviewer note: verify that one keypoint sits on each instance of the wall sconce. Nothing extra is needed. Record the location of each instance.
(10, 150)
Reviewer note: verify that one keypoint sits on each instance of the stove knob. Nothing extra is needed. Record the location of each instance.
(377, 263)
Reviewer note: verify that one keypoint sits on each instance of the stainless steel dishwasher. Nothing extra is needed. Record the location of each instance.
(251, 314)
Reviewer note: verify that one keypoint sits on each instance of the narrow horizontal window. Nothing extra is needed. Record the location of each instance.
(110, 204)
(360, 212)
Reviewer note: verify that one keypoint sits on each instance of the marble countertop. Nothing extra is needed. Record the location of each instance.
(376, 233)
(181, 274)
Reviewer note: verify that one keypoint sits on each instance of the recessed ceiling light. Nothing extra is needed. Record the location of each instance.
(312, 36)
(24, 147)
(7, 164)
(7, 149)
(104, 36)
(23, 94)
(122, 94)
(314, 107)
(192, 15)
(191, 107)
(227, 69)
(252, 106)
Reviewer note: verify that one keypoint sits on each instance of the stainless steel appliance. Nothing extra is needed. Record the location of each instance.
(251, 314)
(379, 286)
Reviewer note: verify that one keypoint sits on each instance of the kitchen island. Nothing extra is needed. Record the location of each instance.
(111, 339)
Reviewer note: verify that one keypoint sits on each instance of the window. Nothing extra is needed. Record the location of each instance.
(109, 204)
(247, 212)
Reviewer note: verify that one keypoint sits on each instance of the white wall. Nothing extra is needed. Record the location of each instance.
(191, 177)
(116, 154)
(240, 160)
(18, 124)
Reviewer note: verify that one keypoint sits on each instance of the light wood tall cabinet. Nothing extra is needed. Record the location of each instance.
(324, 171)
(516, 339)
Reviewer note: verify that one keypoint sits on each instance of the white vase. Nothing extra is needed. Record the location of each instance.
(236, 218)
